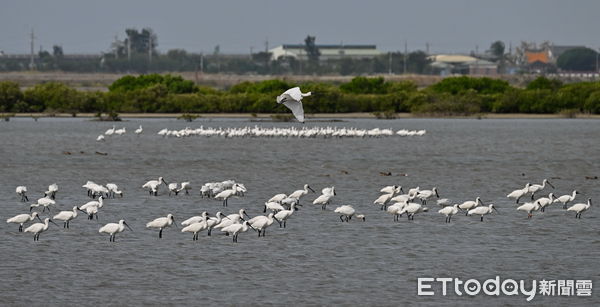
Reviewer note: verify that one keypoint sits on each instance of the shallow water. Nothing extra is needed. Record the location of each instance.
(316, 259)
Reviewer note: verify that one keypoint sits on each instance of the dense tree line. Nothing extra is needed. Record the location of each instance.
(172, 94)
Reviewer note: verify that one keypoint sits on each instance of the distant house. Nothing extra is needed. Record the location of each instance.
(328, 52)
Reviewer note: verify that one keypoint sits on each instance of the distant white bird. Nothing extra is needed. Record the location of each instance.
(113, 229)
(538, 187)
(113, 190)
(139, 130)
(173, 188)
(261, 223)
(443, 202)
(545, 201)
(395, 210)
(292, 99)
(225, 195)
(91, 207)
(413, 208)
(66, 216)
(195, 228)
(391, 189)
(383, 200)
(235, 230)
(283, 215)
(195, 219)
(22, 191)
(346, 212)
(52, 189)
(565, 199)
(232, 219)
(120, 131)
(299, 193)
(38, 228)
(517, 194)
(470, 204)
(216, 220)
(580, 208)
(273, 206)
(186, 186)
(323, 200)
(529, 207)
(152, 185)
(449, 211)
(46, 202)
(22, 219)
(277, 198)
(110, 131)
(100, 138)
(403, 198)
(424, 195)
(483, 210)
(162, 223)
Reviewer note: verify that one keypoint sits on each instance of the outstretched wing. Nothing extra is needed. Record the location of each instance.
(297, 109)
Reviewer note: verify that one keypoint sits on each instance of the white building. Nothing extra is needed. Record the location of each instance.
(328, 52)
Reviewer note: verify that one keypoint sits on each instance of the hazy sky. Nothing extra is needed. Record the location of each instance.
(82, 26)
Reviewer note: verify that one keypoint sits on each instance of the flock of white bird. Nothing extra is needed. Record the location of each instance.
(293, 132)
(116, 132)
(281, 207)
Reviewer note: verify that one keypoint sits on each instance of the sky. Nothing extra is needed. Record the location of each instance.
(237, 26)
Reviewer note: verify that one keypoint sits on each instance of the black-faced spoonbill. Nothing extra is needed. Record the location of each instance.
(139, 130)
(195, 219)
(580, 208)
(292, 99)
(565, 199)
(232, 219)
(299, 193)
(470, 204)
(38, 228)
(44, 202)
(383, 200)
(261, 223)
(517, 194)
(162, 223)
(392, 189)
(483, 210)
(449, 211)
(22, 219)
(529, 207)
(195, 228)
(395, 210)
(186, 186)
(346, 212)
(52, 189)
(277, 198)
(173, 188)
(538, 187)
(545, 201)
(214, 221)
(325, 198)
(22, 191)
(226, 194)
(282, 216)
(113, 190)
(152, 185)
(113, 229)
(413, 208)
(424, 195)
(236, 229)
(273, 206)
(66, 216)
(91, 207)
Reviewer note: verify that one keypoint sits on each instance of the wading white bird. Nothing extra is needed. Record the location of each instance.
(483, 210)
(325, 198)
(66, 216)
(282, 216)
(225, 195)
(277, 198)
(529, 207)
(139, 130)
(113, 229)
(261, 223)
(292, 99)
(173, 188)
(538, 187)
(470, 204)
(580, 208)
(152, 185)
(232, 219)
(424, 195)
(449, 211)
(195, 219)
(273, 206)
(392, 189)
(45, 202)
(565, 199)
(395, 210)
(517, 194)
(22, 219)
(186, 186)
(235, 229)
(91, 207)
(383, 200)
(299, 193)
(22, 191)
(346, 212)
(52, 189)
(100, 138)
(413, 208)
(113, 190)
(214, 221)
(38, 228)
(195, 228)
(162, 223)
(110, 131)
(545, 201)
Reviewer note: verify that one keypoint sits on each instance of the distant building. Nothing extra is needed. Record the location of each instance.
(462, 64)
(328, 52)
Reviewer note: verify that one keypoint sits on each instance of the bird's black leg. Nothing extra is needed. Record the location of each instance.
(160, 233)
(341, 218)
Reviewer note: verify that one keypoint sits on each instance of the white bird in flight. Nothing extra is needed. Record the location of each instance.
(292, 99)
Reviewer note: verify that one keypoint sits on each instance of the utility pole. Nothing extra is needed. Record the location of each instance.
(390, 63)
(267, 44)
(31, 59)
(405, 56)
(129, 48)
(150, 48)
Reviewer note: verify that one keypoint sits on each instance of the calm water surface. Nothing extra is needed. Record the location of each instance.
(316, 260)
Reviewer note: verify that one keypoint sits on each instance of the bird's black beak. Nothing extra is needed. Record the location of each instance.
(51, 221)
(127, 226)
(311, 189)
(550, 184)
(38, 217)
